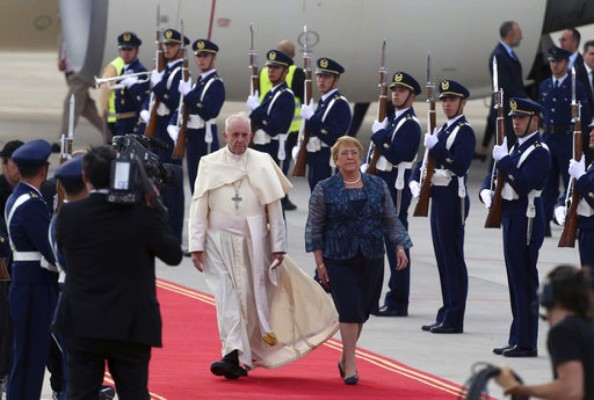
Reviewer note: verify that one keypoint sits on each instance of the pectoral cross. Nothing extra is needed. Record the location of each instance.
(236, 199)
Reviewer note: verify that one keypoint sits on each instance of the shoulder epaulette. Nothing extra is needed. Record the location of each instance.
(33, 195)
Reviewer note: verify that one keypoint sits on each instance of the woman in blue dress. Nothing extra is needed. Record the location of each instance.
(348, 216)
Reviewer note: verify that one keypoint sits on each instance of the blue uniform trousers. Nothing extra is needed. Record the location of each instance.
(399, 283)
(447, 232)
(172, 196)
(32, 308)
(318, 166)
(195, 149)
(125, 126)
(561, 148)
(586, 244)
(522, 275)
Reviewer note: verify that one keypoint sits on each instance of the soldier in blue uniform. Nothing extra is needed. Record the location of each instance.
(204, 101)
(584, 184)
(398, 144)
(452, 149)
(33, 291)
(165, 88)
(272, 118)
(329, 121)
(525, 168)
(555, 97)
(131, 97)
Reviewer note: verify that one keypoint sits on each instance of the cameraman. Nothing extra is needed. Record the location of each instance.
(109, 251)
(567, 298)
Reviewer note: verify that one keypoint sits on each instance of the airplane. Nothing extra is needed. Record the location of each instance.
(458, 34)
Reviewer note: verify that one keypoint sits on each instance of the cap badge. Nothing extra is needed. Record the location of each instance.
(201, 45)
(513, 105)
(272, 55)
(168, 34)
(398, 77)
(324, 63)
(445, 85)
(127, 37)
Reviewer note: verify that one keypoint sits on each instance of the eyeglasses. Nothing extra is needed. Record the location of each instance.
(346, 153)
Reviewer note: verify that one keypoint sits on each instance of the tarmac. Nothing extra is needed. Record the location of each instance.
(33, 92)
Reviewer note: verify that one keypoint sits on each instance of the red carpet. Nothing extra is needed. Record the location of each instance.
(180, 370)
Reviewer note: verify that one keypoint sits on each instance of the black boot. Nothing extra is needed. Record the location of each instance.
(228, 366)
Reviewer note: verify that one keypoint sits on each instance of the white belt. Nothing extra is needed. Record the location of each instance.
(162, 110)
(441, 177)
(26, 256)
(196, 122)
(314, 144)
(584, 209)
(508, 193)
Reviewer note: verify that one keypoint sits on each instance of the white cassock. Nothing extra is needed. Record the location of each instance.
(272, 316)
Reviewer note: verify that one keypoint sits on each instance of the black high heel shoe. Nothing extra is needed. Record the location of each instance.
(351, 380)
(340, 370)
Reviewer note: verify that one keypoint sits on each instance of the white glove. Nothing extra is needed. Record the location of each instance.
(185, 87)
(253, 101)
(173, 132)
(307, 110)
(294, 152)
(431, 139)
(145, 116)
(500, 151)
(379, 125)
(560, 214)
(156, 77)
(129, 81)
(415, 188)
(577, 168)
(487, 197)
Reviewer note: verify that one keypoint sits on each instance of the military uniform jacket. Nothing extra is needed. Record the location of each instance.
(166, 90)
(401, 145)
(110, 253)
(453, 154)
(206, 98)
(329, 126)
(531, 175)
(131, 99)
(29, 233)
(585, 186)
(557, 105)
(275, 113)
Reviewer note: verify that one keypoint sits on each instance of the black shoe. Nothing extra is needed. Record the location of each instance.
(386, 311)
(499, 350)
(287, 205)
(227, 369)
(548, 230)
(479, 156)
(520, 352)
(351, 380)
(428, 327)
(107, 392)
(446, 329)
(56, 148)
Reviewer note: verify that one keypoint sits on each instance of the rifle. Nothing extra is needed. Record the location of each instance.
(381, 111)
(4, 275)
(65, 152)
(255, 77)
(301, 160)
(182, 111)
(428, 168)
(151, 127)
(496, 209)
(567, 238)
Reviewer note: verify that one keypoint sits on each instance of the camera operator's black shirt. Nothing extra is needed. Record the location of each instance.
(572, 339)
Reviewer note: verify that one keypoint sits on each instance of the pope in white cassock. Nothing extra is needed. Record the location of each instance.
(269, 312)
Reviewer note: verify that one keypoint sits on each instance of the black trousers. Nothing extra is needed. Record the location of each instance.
(5, 330)
(128, 364)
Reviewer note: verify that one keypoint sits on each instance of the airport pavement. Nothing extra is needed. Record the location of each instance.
(30, 107)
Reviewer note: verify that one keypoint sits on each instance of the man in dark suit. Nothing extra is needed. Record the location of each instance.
(585, 75)
(109, 252)
(570, 41)
(511, 81)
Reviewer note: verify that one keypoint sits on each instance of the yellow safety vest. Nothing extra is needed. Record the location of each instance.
(266, 85)
(118, 64)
